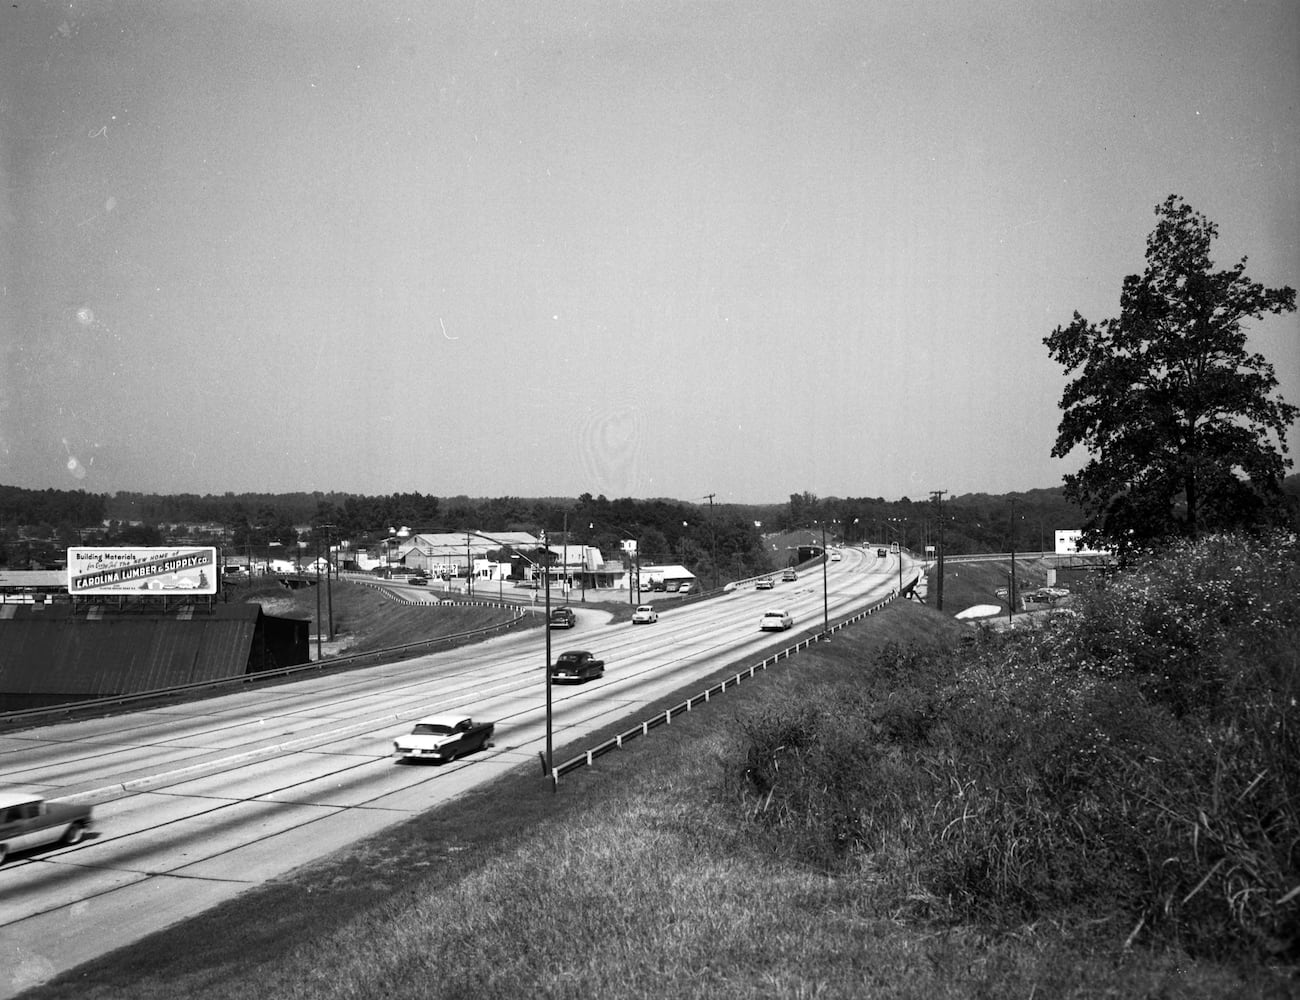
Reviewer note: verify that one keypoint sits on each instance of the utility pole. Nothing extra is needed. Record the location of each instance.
(329, 575)
(316, 538)
(937, 497)
(1011, 589)
(546, 585)
(713, 531)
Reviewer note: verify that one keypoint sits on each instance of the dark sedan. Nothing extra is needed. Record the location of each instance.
(577, 665)
(563, 618)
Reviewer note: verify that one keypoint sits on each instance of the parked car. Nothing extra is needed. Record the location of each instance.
(28, 821)
(767, 583)
(645, 615)
(789, 575)
(577, 665)
(442, 738)
(686, 587)
(775, 621)
(562, 618)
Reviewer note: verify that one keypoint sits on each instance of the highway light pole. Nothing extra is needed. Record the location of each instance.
(826, 612)
(902, 544)
(329, 586)
(546, 585)
(826, 561)
(547, 757)
(318, 621)
(937, 497)
(1011, 584)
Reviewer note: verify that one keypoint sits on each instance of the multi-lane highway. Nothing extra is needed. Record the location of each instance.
(197, 802)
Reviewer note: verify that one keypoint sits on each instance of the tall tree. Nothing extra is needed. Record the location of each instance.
(1178, 416)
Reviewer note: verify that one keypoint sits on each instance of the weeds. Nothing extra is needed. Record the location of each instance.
(1143, 755)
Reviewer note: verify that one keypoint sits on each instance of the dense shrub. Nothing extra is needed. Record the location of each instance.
(1137, 760)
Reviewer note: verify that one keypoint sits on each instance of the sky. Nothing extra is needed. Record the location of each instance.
(640, 249)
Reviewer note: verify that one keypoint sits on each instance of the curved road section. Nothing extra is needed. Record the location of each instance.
(195, 803)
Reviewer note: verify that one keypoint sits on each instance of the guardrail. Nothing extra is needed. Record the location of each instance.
(664, 718)
(372, 657)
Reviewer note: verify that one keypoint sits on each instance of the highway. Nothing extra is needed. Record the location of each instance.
(195, 803)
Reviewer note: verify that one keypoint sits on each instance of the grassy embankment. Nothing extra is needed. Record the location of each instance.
(1103, 807)
(365, 619)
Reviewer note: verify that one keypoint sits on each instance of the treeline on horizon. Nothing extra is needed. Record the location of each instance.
(976, 522)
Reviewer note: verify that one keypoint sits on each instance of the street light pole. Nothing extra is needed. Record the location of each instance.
(937, 496)
(1011, 588)
(826, 613)
(548, 756)
(546, 585)
(329, 584)
(318, 621)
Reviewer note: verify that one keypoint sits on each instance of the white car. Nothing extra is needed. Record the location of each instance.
(28, 821)
(645, 615)
(767, 583)
(441, 738)
(775, 621)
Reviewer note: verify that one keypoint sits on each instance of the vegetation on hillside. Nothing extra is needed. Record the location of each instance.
(1134, 764)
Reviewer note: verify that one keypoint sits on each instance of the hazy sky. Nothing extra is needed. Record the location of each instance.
(645, 249)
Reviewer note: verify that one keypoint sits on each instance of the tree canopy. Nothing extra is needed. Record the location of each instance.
(1181, 421)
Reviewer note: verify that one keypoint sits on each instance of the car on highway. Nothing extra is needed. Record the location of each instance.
(880, 553)
(562, 618)
(645, 615)
(577, 665)
(767, 583)
(835, 557)
(28, 821)
(442, 738)
(775, 621)
(789, 575)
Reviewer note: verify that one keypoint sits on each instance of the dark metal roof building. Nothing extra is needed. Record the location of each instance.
(53, 654)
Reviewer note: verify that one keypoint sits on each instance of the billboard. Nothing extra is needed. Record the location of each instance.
(142, 572)
(1068, 544)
